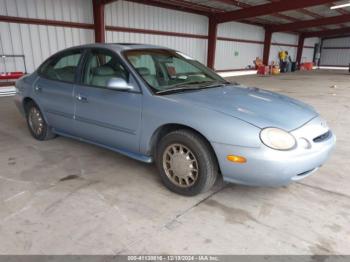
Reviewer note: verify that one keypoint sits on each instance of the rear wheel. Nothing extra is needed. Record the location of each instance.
(186, 163)
(37, 124)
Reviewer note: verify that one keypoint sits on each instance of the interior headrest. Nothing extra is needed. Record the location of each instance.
(144, 71)
(103, 71)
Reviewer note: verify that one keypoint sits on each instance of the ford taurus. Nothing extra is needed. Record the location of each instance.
(158, 105)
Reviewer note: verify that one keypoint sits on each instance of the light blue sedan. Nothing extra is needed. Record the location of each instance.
(158, 105)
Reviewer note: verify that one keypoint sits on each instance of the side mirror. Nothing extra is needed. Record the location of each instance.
(117, 83)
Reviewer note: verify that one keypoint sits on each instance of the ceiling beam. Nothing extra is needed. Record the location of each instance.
(245, 5)
(173, 6)
(197, 6)
(268, 9)
(305, 12)
(311, 23)
(340, 11)
(332, 32)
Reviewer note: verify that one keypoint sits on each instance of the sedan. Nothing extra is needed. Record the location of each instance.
(159, 105)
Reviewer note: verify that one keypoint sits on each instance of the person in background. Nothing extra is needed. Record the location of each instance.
(283, 60)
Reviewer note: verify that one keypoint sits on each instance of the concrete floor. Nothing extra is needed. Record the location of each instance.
(67, 197)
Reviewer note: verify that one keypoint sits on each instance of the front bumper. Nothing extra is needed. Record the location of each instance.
(268, 167)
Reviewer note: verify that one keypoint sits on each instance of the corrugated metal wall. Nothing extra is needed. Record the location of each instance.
(335, 52)
(37, 42)
(238, 54)
(133, 15)
(238, 44)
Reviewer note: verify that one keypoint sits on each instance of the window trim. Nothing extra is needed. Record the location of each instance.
(57, 56)
(88, 51)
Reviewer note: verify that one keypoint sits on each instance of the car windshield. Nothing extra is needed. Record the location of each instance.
(170, 71)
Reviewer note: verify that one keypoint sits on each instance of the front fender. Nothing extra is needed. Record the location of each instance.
(216, 127)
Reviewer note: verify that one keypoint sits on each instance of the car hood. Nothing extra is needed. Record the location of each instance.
(256, 106)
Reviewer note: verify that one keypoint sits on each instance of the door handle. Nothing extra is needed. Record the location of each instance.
(82, 98)
(38, 89)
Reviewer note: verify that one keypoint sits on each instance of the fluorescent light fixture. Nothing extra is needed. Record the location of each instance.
(340, 6)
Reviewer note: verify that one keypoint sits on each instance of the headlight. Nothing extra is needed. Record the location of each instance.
(277, 138)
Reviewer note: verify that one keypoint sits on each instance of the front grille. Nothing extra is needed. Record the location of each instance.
(322, 137)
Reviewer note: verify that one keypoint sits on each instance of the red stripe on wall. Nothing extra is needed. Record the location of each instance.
(256, 42)
(340, 47)
(35, 21)
(152, 32)
(46, 22)
(240, 40)
(290, 45)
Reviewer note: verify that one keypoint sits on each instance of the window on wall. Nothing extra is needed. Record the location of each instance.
(62, 67)
(101, 67)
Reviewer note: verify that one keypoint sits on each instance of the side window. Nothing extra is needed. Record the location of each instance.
(62, 67)
(145, 66)
(101, 66)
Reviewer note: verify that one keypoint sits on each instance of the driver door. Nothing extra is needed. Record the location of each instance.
(106, 116)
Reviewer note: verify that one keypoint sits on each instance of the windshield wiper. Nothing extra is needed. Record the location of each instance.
(216, 84)
(177, 89)
(190, 87)
(190, 83)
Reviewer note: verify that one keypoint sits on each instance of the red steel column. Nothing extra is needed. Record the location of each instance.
(99, 20)
(267, 45)
(300, 48)
(212, 37)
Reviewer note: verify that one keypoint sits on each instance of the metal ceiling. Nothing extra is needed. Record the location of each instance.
(304, 14)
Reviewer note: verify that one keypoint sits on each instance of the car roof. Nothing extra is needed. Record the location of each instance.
(120, 46)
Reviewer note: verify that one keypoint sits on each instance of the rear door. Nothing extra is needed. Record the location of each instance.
(54, 91)
(105, 116)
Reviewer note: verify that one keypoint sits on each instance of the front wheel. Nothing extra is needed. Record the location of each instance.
(186, 163)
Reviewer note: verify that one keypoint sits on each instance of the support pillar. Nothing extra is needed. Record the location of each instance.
(99, 20)
(212, 38)
(267, 45)
(300, 49)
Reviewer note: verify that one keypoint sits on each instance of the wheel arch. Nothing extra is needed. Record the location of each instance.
(167, 128)
(27, 100)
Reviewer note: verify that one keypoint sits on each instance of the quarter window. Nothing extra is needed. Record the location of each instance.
(101, 66)
(62, 67)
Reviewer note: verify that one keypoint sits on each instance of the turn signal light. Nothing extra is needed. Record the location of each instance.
(236, 159)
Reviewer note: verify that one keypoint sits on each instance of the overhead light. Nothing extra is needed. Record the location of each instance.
(340, 6)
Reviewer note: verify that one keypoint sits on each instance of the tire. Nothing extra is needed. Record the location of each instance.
(37, 125)
(186, 163)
